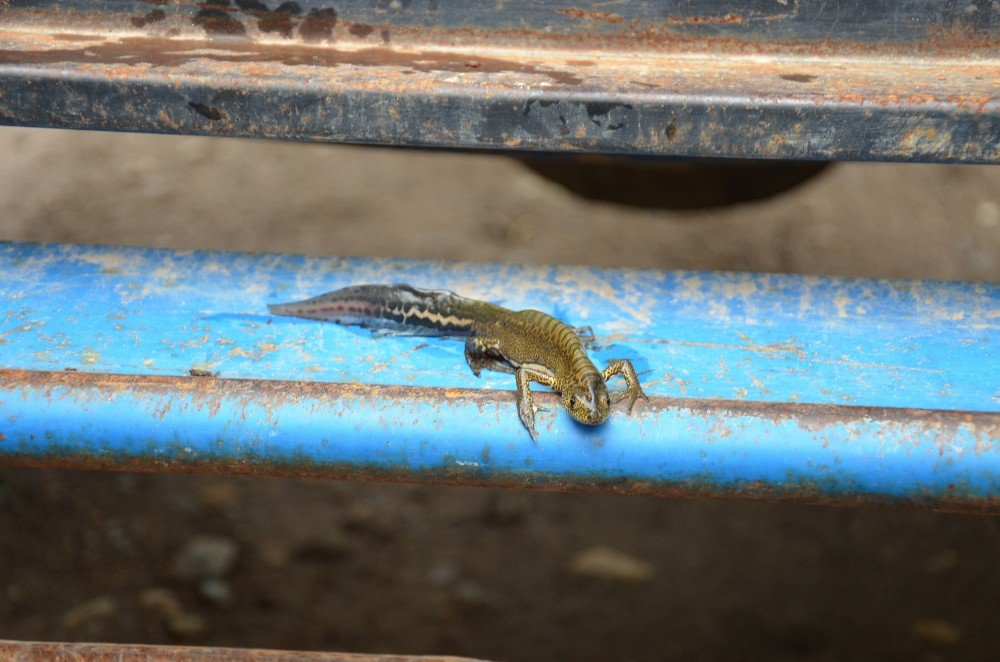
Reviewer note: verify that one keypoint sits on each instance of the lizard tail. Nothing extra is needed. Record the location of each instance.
(398, 309)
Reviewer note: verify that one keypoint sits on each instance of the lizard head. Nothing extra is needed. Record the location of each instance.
(587, 401)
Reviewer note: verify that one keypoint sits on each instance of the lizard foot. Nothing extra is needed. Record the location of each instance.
(633, 391)
(525, 403)
(631, 394)
(526, 412)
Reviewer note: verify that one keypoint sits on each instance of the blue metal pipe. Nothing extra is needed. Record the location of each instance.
(776, 387)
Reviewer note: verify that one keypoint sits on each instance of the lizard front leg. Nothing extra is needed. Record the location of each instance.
(633, 391)
(484, 354)
(525, 403)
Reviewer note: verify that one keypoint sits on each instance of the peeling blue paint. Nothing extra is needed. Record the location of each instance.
(756, 337)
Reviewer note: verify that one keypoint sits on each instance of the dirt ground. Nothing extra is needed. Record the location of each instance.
(482, 573)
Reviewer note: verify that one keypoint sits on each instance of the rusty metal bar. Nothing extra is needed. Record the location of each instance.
(755, 78)
(43, 651)
(762, 387)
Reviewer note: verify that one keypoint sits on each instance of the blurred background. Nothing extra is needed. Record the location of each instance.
(483, 573)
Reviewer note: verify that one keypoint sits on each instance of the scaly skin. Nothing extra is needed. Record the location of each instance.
(534, 346)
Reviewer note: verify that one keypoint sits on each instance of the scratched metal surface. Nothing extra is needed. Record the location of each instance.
(761, 386)
(852, 79)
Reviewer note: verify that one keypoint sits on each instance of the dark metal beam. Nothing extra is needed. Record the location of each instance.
(755, 79)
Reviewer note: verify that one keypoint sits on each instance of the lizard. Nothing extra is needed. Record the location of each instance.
(532, 345)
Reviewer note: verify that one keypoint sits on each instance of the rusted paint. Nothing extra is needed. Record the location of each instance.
(32, 651)
(591, 15)
(915, 30)
(205, 392)
(173, 401)
(701, 20)
(146, 53)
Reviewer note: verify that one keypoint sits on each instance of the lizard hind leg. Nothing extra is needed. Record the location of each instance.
(484, 354)
(587, 337)
(633, 391)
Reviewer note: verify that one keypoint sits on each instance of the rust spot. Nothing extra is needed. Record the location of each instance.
(799, 78)
(974, 103)
(607, 17)
(215, 19)
(280, 20)
(211, 113)
(700, 20)
(155, 51)
(167, 122)
(671, 130)
(361, 30)
(151, 17)
(201, 372)
(319, 24)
